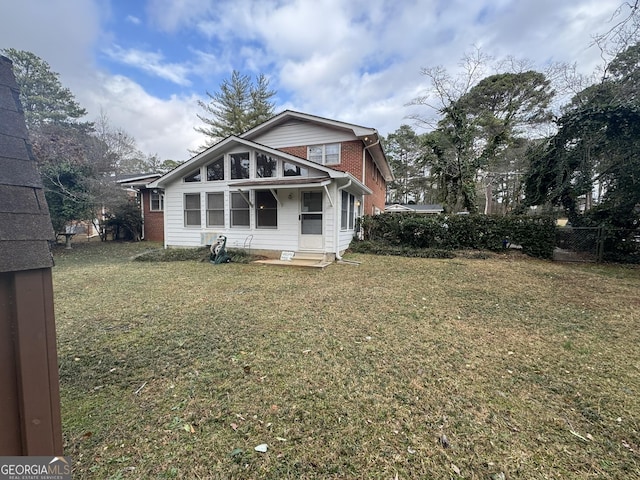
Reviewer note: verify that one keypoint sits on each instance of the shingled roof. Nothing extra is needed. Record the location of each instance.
(25, 225)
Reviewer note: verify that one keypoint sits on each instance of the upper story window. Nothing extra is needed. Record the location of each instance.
(156, 201)
(239, 165)
(293, 170)
(193, 177)
(327, 154)
(215, 170)
(265, 166)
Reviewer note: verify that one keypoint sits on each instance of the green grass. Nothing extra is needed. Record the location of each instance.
(179, 369)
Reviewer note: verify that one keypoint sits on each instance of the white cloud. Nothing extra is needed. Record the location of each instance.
(43, 28)
(356, 61)
(151, 62)
(171, 15)
(159, 126)
(133, 19)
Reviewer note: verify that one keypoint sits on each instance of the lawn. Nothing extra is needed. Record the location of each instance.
(498, 368)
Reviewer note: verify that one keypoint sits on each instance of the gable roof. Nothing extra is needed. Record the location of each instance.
(219, 148)
(137, 179)
(369, 136)
(25, 225)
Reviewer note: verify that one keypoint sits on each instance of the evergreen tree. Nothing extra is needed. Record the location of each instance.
(236, 107)
(596, 149)
(69, 156)
(44, 99)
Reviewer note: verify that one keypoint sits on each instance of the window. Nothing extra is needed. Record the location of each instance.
(332, 153)
(215, 170)
(266, 209)
(192, 210)
(315, 153)
(348, 212)
(239, 211)
(239, 165)
(265, 166)
(215, 209)
(293, 170)
(344, 211)
(352, 213)
(324, 154)
(156, 201)
(193, 177)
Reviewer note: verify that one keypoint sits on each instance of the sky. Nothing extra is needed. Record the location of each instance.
(146, 63)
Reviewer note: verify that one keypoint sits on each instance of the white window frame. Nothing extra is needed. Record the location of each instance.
(348, 211)
(232, 171)
(301, 171)
(260, 208)
(209, 209)
(223, 170)
(233, 209)
(321, 156)
(274, 172)
(186, 210)
(160, 201)
(194, 173)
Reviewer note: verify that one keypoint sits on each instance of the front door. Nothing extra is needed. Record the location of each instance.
(311, 221)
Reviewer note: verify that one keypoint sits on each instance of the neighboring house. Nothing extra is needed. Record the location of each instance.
(294, 183)
(151, 201)
(412, 208)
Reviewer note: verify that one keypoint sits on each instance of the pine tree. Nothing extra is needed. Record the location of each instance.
(236, 107)
(44, 100)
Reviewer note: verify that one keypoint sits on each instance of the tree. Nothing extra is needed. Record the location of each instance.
(449, 144)
(43, 97)
(404, 151)
(236, 107)
(477, 130)
(62, 143)
(596, 148)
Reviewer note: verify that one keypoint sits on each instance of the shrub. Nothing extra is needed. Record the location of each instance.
(536, 235)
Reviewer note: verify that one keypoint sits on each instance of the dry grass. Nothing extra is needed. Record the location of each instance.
(397, 368)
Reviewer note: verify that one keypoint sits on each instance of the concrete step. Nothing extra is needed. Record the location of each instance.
(301, 255)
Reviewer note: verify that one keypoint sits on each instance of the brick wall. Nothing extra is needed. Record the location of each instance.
(297, 151)
(153, 221)
(351, 161)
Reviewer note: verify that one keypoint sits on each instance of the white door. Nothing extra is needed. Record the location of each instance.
(311, 220)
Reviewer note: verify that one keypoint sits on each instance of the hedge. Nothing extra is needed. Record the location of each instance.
(534, 234)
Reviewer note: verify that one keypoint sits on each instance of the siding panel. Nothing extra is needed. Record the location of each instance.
(302, 133)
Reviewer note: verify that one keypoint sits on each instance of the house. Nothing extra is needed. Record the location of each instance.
(433, 209)
(30, 424)
(151, 201)
(295, 183)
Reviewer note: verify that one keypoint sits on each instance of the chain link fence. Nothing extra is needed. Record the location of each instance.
(597, 244)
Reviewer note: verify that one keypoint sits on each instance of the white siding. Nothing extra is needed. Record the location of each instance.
(297, 133)
(285, 237)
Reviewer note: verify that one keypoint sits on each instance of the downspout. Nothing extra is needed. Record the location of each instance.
(337, 219)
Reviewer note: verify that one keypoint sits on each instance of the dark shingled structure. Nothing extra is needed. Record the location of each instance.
(30, 422)
(25, 225)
